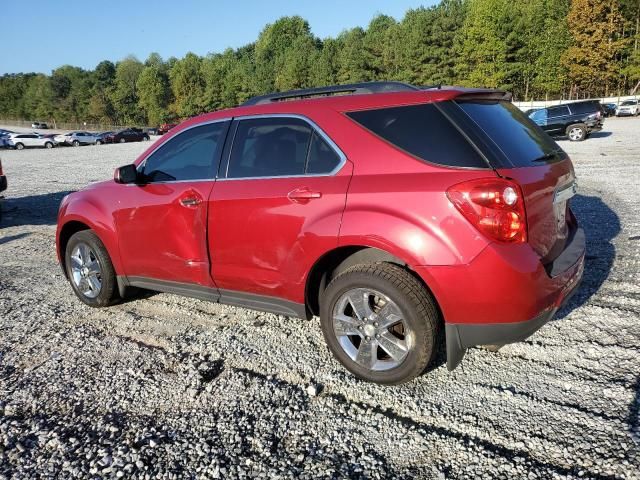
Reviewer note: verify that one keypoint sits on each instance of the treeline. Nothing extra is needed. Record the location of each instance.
(534, 48)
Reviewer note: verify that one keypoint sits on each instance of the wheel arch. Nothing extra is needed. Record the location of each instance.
(342, 258)
(69, 229)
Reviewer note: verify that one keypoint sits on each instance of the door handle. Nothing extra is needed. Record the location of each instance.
(303, 194)
(190, 201)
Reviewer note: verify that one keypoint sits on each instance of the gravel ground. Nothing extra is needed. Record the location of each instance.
(170, 387)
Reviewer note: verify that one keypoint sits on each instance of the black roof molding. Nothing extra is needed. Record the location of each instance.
(348, 89)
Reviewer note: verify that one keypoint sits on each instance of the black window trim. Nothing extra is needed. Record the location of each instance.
(167, 140)
(312, 125)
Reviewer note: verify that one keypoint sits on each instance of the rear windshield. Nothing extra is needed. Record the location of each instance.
(521, 141)
(422, 131)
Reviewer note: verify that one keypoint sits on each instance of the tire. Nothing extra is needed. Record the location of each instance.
(147, 138)
(122, 140)
(19, 146)
(48, 145)
(577, 132)
(76, 143)
(414, 326)
(98, 142)
(96, 259)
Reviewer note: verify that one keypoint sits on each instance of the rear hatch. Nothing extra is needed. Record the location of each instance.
(520, 150)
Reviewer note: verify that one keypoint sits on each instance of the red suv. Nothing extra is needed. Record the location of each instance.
(392, 212)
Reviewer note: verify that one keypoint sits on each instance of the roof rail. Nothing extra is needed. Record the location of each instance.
(351, 88)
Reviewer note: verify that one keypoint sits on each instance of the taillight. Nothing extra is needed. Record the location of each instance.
(1, 168)
(495, 206)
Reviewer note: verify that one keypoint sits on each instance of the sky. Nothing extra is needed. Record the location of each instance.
(81, 33)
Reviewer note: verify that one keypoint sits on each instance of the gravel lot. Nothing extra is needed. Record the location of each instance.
(170, 387)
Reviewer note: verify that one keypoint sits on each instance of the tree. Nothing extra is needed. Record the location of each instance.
(352, 64)
(592, 59)
(154, 92)
(125, 92)
(38, 98)
(482, 45)
(188, 86)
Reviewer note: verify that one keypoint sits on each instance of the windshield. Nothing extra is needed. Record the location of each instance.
(630, 102)
(520, 139)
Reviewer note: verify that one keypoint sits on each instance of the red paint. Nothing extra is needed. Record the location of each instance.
(264, 235)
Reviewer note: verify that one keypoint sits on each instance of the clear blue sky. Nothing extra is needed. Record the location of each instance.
(83, 33)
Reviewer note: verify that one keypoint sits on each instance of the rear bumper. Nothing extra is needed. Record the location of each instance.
(485, 302)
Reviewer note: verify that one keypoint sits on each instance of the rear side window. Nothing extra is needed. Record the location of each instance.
(558, 111)
(584, 107)
(279, 147)
(322, 158)
(521, 141)
(422, 131)
(191, 155)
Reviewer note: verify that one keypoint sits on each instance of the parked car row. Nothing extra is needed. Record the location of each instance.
(19, 141)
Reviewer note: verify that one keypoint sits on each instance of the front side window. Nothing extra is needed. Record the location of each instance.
(269, 147)
(539, 116)
(191, 155)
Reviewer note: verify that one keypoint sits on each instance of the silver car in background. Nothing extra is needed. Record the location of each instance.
(27, 140)
(75, 138)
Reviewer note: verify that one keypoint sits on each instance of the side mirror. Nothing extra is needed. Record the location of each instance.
(126, 174)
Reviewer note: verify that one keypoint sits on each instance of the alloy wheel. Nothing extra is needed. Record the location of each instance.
(576, 133)
(86, 271)
(370, 328)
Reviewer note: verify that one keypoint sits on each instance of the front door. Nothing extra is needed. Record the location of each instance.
(277, 207)
(161, 224)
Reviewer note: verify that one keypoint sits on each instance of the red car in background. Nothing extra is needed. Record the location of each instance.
(390, 211)
(165, 127)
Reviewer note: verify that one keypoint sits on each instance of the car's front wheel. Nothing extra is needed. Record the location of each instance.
(90, 270)
(577, 132)
(122, 140)
(380, 323)
(19, 146)
(98, 142)
(48, 145)
(75, 143)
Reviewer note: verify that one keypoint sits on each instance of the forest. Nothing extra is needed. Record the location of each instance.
(537, 49)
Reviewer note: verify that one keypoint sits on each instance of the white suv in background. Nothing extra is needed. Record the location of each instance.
(628, 107)
(24, 140)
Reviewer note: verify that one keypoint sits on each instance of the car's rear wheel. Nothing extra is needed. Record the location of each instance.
(577, 132)
(75, 143)
(98, 142)
(90, 270)
(146, 138)
(122, 140)
(380, 323)
(19, 146)
(48, 145)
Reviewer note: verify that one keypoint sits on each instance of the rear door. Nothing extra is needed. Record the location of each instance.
(523, 152)
(277, 207)
(162, 221)
(557, 118)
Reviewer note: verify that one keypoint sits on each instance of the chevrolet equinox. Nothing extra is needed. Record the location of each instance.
(401, 216)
